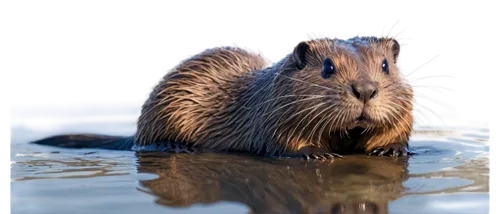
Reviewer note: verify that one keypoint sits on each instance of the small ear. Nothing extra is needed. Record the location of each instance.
(395, 50)
(389, 43)
(299, 54)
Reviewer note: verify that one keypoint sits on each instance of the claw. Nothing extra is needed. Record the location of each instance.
(406, 152)
(394, 150)
(384, 151)
(337, 155)
(375, 151)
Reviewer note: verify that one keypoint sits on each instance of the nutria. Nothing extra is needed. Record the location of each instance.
(328, 97)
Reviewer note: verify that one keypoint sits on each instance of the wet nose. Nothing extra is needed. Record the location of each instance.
(364, 92)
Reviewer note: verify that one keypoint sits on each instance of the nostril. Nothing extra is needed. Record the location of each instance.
(374, 94)
(355, 92)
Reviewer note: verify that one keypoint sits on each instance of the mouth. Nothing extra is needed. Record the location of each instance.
(360, 122)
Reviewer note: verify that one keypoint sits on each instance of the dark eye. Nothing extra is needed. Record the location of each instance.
(385, 66)
(328, 69)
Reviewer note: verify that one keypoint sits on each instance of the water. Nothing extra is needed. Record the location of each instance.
(450, 174)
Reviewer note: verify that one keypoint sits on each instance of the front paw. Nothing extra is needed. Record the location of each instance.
(395, 149)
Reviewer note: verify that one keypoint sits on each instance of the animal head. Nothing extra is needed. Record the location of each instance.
(346, 84)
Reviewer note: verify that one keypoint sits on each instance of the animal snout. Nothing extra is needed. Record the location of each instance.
(364, 92)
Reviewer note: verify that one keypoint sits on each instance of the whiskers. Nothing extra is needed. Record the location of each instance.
(302, 81)
(398, 117)
(289, 139)
(307, 96)
(311, 97)
(367, 130)
(346, 134)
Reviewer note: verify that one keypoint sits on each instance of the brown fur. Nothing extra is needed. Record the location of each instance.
(227, 100)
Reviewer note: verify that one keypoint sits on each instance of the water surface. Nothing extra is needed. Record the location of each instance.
(449, 174)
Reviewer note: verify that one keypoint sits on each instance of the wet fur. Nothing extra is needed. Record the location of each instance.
(226, 99)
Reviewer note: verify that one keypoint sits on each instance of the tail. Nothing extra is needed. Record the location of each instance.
(89, 141)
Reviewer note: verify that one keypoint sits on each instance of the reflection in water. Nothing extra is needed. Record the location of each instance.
(354, 184)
